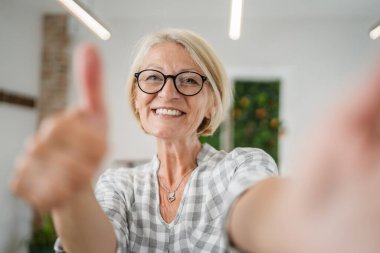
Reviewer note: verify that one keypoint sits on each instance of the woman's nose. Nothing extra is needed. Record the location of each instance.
(169, 90)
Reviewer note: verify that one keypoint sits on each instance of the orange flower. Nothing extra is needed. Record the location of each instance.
(244, 102)
(274, 123)
(261, 113)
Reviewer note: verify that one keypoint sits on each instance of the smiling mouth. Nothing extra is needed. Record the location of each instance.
(169, 112)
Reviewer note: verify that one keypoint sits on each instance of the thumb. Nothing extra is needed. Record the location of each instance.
(90, 76)
(363, 108)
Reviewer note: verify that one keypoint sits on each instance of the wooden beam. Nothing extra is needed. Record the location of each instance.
(17, 99)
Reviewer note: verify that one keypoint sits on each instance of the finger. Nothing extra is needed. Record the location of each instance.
(361, 109)
(344, 140)
(89, 71)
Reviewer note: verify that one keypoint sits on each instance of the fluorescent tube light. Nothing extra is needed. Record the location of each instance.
(375, 32)
(83, 15)
(235, 19)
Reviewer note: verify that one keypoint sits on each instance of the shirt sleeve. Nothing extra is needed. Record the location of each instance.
(251, 166)
(112, 199)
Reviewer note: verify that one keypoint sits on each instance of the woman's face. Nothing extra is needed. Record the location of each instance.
(169, 114)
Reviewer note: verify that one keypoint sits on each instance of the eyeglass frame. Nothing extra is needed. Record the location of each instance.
(173, 77)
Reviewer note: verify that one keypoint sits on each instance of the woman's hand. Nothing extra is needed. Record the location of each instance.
(67, 150)
(333, 204)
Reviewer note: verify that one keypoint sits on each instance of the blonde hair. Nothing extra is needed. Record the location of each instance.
(206, 59)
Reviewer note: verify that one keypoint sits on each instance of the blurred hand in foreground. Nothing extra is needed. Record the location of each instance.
(68, 148)
(333, 202)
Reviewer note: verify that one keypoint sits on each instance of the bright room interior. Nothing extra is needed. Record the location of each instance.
(316, 48)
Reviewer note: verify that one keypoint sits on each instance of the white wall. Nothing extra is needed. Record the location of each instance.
(19, 72)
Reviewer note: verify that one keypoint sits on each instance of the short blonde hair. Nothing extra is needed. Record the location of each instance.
(206, 59)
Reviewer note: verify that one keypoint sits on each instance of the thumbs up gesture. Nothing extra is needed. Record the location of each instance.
(67, 150)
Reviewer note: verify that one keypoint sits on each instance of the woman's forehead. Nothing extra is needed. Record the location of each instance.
(169, 55)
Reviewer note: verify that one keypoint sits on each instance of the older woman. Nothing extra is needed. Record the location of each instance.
(189, 197)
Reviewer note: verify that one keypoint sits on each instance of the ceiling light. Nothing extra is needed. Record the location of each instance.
(375, 32)
(86, 18)
(235, 19)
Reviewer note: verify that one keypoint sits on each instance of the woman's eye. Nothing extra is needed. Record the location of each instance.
(189, 81)
(153, 78)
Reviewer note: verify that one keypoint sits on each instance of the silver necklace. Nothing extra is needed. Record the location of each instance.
(171, 194)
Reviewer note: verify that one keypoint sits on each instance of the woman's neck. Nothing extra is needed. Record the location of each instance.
(177, 158)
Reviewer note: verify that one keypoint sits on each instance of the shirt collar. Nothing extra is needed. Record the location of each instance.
(206, 153)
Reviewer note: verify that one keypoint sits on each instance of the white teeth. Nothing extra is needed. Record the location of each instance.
(168, 112)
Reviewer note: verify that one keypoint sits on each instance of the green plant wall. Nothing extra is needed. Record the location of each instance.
(44, 235)
(255, 116)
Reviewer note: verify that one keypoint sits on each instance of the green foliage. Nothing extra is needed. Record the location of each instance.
(44, 235)
(213, 140)
(256, 115)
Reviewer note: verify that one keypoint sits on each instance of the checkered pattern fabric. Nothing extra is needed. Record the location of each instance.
(130, 199)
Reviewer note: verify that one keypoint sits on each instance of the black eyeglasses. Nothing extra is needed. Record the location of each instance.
(187, 83)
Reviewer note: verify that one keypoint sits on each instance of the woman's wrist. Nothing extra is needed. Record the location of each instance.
(74, 206)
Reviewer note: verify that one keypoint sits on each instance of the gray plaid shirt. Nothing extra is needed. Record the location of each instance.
(130, 199)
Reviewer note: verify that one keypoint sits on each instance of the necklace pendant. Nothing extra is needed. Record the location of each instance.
(171, 196)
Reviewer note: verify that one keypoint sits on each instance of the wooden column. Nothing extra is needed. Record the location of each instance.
(54, 65)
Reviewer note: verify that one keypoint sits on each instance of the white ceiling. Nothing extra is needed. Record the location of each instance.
(111, 9)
